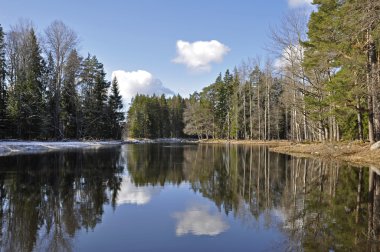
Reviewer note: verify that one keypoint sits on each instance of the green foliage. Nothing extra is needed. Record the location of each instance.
(115, 105)
(155, 117)
(70, 97)
(3, 90)
(37, 104)
(26, 99)
(94, 88)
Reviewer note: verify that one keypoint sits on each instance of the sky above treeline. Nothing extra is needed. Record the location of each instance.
(166, 46)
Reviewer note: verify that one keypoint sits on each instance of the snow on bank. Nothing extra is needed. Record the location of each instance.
(16, 147)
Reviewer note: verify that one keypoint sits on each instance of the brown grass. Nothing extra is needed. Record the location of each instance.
(356, 153)
(352, 152)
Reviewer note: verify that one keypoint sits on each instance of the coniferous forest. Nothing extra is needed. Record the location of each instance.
(319, 82)
(49, 91)
(324, 84)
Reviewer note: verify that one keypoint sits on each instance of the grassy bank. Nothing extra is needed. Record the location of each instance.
(356, 153)
(353, 152)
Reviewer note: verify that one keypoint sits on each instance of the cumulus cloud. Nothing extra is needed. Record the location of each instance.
(139, 82)
(131, 194)
(298, 3)
(200, 55)
(198, 221)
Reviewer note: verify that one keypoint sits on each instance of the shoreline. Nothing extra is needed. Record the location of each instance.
(14, 147)
(354, 153)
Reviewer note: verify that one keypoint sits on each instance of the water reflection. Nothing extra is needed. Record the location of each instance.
(198, 220)
(317, 205)
(45, 200)
(131, 194)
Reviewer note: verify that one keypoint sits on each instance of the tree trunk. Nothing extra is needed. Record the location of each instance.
(244, 117)
(258, 109)
(360, 119)
(370, 81)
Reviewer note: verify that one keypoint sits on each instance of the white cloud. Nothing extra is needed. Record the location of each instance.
(139, 82)
(298, 3)
(200, 55)
(131, 194)
(198, 221)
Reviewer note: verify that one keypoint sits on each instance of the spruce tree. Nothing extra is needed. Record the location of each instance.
(70, 99)
(115, 105)
(94, 88)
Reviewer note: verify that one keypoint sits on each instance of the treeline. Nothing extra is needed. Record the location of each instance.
(324, 85)
(238, 106)
(49, 91)
(156, 117)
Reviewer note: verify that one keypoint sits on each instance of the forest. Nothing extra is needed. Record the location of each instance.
(49, 91)
(319, 82)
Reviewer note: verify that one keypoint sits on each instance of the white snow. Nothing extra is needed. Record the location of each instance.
(12, 147)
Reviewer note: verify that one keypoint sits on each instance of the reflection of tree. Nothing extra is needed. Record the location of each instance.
(46, 199)
(374, 208)
(155, 164)
(319, 205)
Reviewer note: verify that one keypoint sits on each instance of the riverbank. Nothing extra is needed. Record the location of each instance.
(272, 143)
(20, 147)
(356, 153)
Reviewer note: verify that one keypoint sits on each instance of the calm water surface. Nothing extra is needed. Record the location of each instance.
(157, 197)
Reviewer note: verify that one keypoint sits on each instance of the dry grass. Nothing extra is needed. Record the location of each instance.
(353, 152)
(357, 153)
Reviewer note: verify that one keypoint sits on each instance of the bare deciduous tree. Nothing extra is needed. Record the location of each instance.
(60, 40)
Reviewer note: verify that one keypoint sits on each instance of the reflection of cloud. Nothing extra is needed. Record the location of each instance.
(131, 194)
(198, 221)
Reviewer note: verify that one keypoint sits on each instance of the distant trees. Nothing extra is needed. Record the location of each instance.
(155, 116)
(242, 105)
(47, 90)
(325, 85)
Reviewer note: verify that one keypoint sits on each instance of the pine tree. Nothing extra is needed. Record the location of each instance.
(94, 88)
(27, 97)
(115, 105)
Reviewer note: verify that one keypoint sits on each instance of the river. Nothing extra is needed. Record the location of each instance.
(186, 197)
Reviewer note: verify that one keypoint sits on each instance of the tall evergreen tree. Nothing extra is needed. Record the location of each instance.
(70, 99)
(26, 99)
(115, 105)
(94, 88)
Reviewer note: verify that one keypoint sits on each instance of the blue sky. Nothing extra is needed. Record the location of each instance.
(142, 35)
